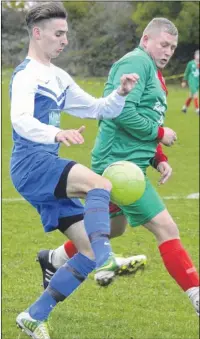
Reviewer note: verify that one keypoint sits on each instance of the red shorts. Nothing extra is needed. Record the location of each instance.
(114, 210)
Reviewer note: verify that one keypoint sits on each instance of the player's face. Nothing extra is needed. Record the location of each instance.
(161, 46)
(53, 37)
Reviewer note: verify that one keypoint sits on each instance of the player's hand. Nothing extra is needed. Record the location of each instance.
(165, 170)
(70, 136)
(128, 82)
(183, 84)
(169, 137)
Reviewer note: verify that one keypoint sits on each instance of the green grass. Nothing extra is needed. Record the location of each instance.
(147, 306)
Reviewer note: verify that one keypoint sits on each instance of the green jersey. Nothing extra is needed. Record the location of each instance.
(191, 75)
(133, 134)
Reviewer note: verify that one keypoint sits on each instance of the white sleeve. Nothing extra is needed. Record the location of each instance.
(22, 112)
(83, 105)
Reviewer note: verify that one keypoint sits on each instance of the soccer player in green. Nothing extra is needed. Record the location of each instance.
(191, 76)
(136, 135)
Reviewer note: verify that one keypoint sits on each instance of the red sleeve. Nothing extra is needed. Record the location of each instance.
(159, 157)
(161, 132)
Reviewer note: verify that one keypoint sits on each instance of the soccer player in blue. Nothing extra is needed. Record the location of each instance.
(39, 91)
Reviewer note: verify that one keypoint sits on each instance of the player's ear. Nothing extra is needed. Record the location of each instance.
(145, 39)
(37, 32)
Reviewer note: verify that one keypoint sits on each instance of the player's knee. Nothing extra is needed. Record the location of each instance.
(101, 183)
(168, 231)
(86, 249)
(87, 252)
(171, 230)
(116, 233)
(118, 226)
(105, 184)
(165, 229)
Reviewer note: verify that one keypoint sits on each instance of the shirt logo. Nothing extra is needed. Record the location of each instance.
(54, 118)
(60, 85)
(160, 108)
(195, 73)
(43, 82)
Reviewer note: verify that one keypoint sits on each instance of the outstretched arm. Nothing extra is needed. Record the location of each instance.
(83, 105)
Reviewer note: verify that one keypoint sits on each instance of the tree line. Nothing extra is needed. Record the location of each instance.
(101, 32)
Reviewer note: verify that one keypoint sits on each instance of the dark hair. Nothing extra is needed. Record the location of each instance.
(44, 11)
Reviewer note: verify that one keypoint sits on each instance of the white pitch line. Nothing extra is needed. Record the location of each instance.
(13, 200)
(192, 196)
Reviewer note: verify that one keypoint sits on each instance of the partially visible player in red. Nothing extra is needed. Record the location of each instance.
(191, 77)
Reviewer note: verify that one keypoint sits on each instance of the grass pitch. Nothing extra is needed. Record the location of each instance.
(147, 306)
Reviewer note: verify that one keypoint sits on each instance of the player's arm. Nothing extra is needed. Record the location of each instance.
(130, 120)
(186, 75)
(187, 72)
(22, 112)
(83, 105)
(159, 157)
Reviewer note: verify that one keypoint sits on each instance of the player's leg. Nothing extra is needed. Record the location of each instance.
(65, 280)
(68, 249)
(176, 260)
(51, 260)
(79, 181)
(187, 103)
(75, 180)
(83, 182)
(196, 101)
(126, 265)
(151, 212)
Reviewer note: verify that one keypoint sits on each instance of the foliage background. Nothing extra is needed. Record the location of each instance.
(100, 32)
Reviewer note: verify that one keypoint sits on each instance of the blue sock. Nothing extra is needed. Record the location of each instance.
(97, 223)
(42, 307)
(66, 279)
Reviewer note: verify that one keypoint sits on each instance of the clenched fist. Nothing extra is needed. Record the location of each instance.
(128, 82)
(169, 137)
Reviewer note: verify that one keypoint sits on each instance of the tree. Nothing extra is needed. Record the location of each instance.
(77, 9)
(184, 14)
(16, 5)
(188, 22)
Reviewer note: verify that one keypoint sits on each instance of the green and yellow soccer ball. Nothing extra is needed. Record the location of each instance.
(128, 182)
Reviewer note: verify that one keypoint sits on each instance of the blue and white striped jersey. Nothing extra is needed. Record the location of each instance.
(39, 94)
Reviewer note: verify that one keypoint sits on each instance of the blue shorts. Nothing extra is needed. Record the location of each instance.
(37, 186)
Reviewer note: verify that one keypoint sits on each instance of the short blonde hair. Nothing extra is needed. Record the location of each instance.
(161, 24)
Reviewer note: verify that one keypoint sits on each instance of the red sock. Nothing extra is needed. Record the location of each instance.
(179, 264)
(188, 101)
(196, 103)
(70, 248)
